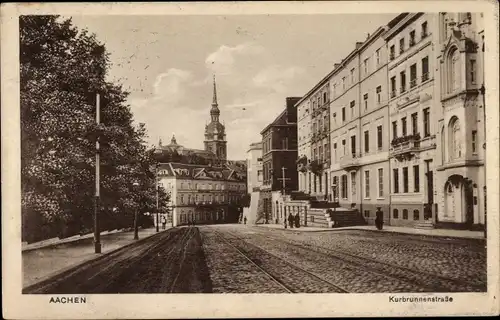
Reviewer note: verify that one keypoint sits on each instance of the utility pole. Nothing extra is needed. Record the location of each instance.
(283, 180)
(157, 208)
(97, 207)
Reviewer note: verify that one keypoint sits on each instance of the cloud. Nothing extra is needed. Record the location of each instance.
(170, 84)
(223, 59)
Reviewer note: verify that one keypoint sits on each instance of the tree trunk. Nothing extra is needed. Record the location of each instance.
(136, 227)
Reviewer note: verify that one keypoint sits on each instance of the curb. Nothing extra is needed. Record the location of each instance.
(51, 278)
(379, 231)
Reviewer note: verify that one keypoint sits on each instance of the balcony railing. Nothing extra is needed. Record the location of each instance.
(405, 144)
(412, 42)
(425, 76)
(392, 56)
(349, 162)
(424, 34)
(402, 89)
(393, 93)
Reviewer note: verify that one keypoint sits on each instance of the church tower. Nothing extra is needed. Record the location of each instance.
(215, 132)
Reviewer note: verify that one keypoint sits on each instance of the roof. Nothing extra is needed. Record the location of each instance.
(200, 172)
(279, 120)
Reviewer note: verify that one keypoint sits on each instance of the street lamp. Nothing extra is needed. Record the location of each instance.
(135, 184)
(334, 192)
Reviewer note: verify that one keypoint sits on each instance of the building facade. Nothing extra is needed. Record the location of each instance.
(406, 124)
(279, 156)
(460, 183)
(413, 109)
(254, 181)
(202, 194)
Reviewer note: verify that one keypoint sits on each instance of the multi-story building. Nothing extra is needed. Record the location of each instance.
(460, 119)
(279, 156)
(202, 194)
(413, 110)
(304, 134)
(254, 180)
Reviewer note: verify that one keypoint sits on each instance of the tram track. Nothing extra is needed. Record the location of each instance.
(432, 282)
(294, 278)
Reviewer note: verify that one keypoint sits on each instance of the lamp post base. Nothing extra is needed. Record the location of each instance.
(97, 247)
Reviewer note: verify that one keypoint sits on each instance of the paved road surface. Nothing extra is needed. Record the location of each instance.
(245, 259)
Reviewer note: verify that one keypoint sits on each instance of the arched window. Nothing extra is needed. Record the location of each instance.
(455, 140)
(405, 214)
(453, 71)
(395, 213)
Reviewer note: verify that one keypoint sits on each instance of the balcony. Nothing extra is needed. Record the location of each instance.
(393, 93)
(425, 77)
(392, 56)
(413, 83)
(350, 162)
(405, 147)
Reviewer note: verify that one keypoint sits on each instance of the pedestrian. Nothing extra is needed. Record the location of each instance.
(297, 221)
(290, 220)
(379, 220)
(284, 222)
(163, 222)
(245, 220)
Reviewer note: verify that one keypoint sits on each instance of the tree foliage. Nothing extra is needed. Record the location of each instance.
(62, 69)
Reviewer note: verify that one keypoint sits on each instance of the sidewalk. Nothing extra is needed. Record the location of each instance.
(45, 262)
(432, 232)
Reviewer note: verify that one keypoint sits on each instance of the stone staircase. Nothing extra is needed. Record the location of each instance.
(426, 225)
(318, 218)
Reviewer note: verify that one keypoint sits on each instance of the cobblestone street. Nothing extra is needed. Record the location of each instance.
(250, 259)
(343, 261)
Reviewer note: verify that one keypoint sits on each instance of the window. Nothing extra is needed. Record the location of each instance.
(405, 180)
(324, 97)
(413, 75)
(182, 199)
(352, 104)
(401, 45)
(377, 54)
(394, 129)
(365, 66)
(412, 38)
(416, 179)
(344, 146)
(320, 150)
(367, 142)
(366, 213)
(365, 99)
(379, 137)
(403, 126)
(474, 141)
(352, 76)
(395, 214)
(343, 114)
(473, 71)
(424, 29)
(414, 123)
(379, 94)
(344, 186)
(343, 83)
(427, 123)
(456, 141)
(416, 215)
(367, 184)
(455, 71)
(335, 151)
(393, 87)
(392, 52)
(425, 69)
(395, 173)
(334, 90)
(353, 146)
(353, 183)
(380, 183)
(402, 78)
(405, 214)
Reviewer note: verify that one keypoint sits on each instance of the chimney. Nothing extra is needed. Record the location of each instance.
(368, 36)
(358, 44)
(336, 65)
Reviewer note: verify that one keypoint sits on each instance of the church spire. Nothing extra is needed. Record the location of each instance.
(214, 111)
(214, 100)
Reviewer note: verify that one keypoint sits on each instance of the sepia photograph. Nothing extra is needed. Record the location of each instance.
(241, 153)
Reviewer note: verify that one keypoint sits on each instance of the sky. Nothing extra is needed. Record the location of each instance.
(167, 64)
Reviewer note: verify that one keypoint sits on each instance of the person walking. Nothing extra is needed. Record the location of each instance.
(297, 221)
(163, 222)
(290, 220)
(245, 220)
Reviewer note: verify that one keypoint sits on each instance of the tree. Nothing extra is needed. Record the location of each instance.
(62, 68)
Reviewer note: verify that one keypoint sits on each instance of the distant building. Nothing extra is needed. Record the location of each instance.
(279, 156)
(202, 194)
(204, 186)
(254, 180)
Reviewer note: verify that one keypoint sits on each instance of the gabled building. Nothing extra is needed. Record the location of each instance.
(202, 194)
